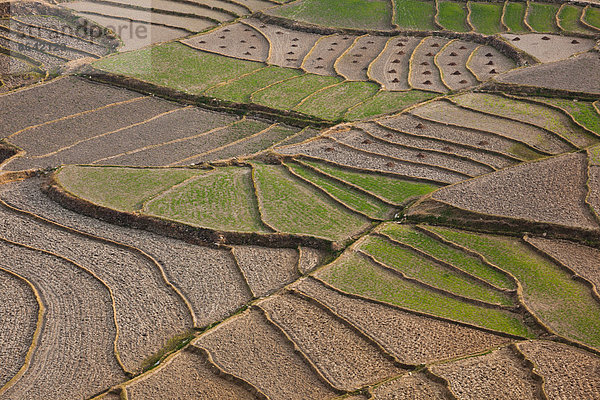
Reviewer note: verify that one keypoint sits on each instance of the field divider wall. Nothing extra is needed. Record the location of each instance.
(441, 381)
(270, 85)
(338, 60)
(237, 78)
(557, 20)
(595, 213)
(468, 21)
(436, 16)
(437, 64)
(528, 309)
(257, 198)
(144, 206)
(231, 251)
(526, 17)
(445, 264)
(503, 17)
(539, 379)
(315, 93)
(470, 59)
(432, 288)
(302, 67)
(306, 359)
(55, 31)
(413, 312)
(36, 334)
(584, 22)
(107, 288)
(411, 61)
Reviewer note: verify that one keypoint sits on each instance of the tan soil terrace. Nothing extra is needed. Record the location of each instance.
(456, 76)
(199, 272)
(288, 47)
(74, 356)
(325, 52)
(483, 156)
(309, 259)
(497, 375)
(444, 112)
(186, 376)
(594, 188)
(411, 338)
(577, 74)
(480, 66)
(353, 64)
(251, 348)
(548, 48)
(333, 152)
(430, 129)
(19, 315)
(413, 386)
(424, 74)
(568, 372)
(343, 356)
(265, 269)
(391, 68)
(551, 191)
(236, 40)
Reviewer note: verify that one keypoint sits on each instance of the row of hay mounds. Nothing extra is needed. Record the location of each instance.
(84, 295)
(149, 130)
(397, 63)
(140, 23)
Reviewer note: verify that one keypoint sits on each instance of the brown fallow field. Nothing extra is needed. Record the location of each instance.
(149, 131)
(548, 48)
(486, 62)
(322, 57)
(354, 63)
(391, 68)
(452, 62)
(424, 74)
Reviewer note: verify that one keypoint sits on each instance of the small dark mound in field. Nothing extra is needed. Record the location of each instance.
(462, 48)
(424, 63)
(390, 164)
(426, 72)
(452, 64)
(574, 41)
(400, 44)
(516, 39)
(430, 54)
(462, 82)
(392, 71)
(420, 126)
(490, 63)
(435, 45)
(545, 38)
(456, 73)
(396, 61)
(421, 155)
(493, 71)
(453, 54)
(400, 53)
(489, 55)
(395, 80)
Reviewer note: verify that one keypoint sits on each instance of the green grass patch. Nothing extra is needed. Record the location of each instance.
(415, 14)
(514, 15)
(363, 203)
(362, 14)
(394, 190)
(427, 244)
(123, 189)
(386, 102)
(542, 17)
(583, 112)
(292, 206)
(222, 199)
(568, 18)
(352, 273)
(564, 304)
(414, 266)
(453, 16)
(194, 72)
(333, 102)
(286, 95)
(592, 16)
(594, 155)
(537, 114)
(485, 17)
(240, 89)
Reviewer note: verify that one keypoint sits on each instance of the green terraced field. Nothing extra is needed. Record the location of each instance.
(568, 18)
(222, 199)
(194, 72)
(286, 95)
(130, 187)
(240, 89)
(354, 274)
(394, 190)
(417, 267)
(358, 201)
(387, 102)
(292, 206)
(592, 16)
(375, 14)
(415, 14)
(426, 243)
(594, 155)
(564, 304)
(582, 111)
(542, 17)
(485, 17)
(453, 16)
(514, 15)
(333, 102)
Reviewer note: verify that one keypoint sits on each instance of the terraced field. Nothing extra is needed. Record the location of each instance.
(309, 199)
